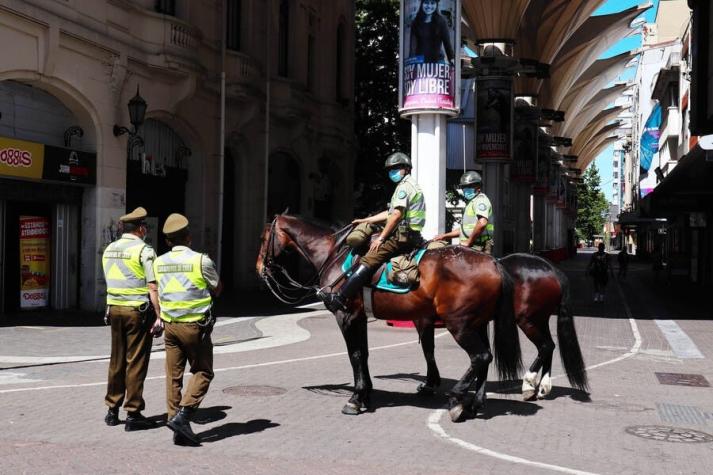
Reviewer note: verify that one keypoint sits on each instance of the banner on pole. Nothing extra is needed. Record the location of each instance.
(34, 261)
(493, 118)
(429, 65)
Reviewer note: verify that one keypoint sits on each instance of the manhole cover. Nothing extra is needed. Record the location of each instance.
(669, 434)
(254, 391)
(683, 379)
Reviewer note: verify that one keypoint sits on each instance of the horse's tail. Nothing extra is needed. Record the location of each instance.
(570, 353)
(506, 342)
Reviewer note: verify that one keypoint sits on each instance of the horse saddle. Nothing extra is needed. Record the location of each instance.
(399, 275)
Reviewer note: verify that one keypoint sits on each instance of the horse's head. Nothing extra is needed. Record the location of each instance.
(274, 241)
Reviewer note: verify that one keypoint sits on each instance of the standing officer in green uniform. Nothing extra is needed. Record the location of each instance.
(131, 289)
(402, 232)
(187, 280)
(477, 228)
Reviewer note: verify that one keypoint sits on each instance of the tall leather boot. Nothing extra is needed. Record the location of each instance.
(181, 424)
(338, 300)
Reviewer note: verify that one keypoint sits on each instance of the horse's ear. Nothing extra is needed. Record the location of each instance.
(287, 210)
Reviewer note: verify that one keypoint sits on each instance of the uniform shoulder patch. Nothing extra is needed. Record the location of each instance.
(402, 194)
(482, 207)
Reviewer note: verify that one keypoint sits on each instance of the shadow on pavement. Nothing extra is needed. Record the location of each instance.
(206, 415)
(232, 429)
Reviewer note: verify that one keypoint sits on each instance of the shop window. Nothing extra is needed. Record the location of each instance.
(233, 25)
(283, 39)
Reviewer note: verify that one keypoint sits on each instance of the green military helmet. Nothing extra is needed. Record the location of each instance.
(397, 159)
(470, 178)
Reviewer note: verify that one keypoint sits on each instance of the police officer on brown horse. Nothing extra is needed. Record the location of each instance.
(404, 221)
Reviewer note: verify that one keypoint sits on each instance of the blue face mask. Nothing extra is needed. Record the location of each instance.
(395, 175)
(469, 193)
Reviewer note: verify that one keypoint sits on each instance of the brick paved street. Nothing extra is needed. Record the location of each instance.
(52, 410)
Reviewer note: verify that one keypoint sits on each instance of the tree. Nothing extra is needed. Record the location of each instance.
(379, 129)
(592, 205)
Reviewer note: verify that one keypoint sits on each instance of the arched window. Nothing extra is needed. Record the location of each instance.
(283, 39)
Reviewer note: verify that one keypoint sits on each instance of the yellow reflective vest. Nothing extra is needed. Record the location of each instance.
(124, 273)
(182, 290)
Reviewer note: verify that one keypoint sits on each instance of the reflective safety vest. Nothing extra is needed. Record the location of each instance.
(409, 195)
(182, 289)
(124, 273)
(480, 205)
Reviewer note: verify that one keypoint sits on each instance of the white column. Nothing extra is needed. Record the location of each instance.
(428, 154)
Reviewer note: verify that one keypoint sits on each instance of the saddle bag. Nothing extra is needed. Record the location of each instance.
(404, 268)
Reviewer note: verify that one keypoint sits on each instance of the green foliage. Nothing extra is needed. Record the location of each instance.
(592, 205)
(378, 128)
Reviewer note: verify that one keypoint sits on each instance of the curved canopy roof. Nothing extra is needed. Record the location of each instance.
(596, 104)
(596, 124)
(591, 153)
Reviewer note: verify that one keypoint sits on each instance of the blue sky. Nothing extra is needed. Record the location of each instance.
(604, 160)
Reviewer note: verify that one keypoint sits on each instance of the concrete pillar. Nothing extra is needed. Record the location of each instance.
(493, 187)
(539, 222)
(550, 226)
(521, 210)
(428, 154)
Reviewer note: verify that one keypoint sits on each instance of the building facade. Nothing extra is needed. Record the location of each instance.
(73, 67)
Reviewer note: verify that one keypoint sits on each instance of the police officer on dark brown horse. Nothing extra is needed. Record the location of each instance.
(401, 233)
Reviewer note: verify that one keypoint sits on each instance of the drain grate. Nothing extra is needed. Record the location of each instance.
(669, 434)
(683, 379)
(685, 415)
(254, 391)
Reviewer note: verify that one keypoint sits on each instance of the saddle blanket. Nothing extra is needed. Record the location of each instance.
(383, 283)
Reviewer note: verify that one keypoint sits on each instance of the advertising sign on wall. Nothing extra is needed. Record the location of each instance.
(429, 68)
(23, 159)
(493, 118)
(34, 261)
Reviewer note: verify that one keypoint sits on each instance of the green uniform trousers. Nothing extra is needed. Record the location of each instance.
(129, 362)
(394, 245)
(185, 341)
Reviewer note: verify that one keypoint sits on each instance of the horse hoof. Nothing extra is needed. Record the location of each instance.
(528, 395)
(351, 409)
(425, 390)
(456, 413)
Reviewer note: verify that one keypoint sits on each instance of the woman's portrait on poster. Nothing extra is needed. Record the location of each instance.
(430, 35)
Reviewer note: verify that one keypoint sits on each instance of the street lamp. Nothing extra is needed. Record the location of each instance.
(137, 111)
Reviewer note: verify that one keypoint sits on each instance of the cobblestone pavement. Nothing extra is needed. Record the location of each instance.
(274, 406)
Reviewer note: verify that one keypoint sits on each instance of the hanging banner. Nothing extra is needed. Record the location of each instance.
(34, 261)
(429, 65)
(493, 118)
(523, 166)
(650, 139)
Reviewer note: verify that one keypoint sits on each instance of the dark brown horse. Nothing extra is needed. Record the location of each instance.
(464, 288)
(540, 289)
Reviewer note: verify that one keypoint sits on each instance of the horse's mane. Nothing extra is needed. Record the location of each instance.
(318, 223)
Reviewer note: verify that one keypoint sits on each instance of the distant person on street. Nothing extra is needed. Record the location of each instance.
(623, 259)
(599, 269)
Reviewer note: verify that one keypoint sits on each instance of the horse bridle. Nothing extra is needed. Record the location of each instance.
(283, 291)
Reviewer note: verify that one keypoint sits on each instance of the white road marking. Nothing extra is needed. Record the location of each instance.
(434, 419)
(221, 370)
(16, 378)
(680, 343)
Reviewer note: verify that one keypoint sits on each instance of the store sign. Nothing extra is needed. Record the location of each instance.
(493, 118)
(34, 261)
(23, 159)
(429, 69)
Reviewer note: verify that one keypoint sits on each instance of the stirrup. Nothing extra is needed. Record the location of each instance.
(332, 301)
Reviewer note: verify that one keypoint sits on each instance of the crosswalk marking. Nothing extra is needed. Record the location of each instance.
(681, 344)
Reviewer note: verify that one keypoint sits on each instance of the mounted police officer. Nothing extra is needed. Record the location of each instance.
(477, 228)
(404, 221)
(132, 306)
(187, 281)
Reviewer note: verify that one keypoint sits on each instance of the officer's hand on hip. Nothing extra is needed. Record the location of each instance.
(375, 244)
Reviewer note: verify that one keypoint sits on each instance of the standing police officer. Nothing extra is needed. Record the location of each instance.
(477, 228)
(186, 281)
(402, 232)
(131, 289)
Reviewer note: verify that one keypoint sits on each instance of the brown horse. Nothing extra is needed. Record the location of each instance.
(540, 289)
(464, 288)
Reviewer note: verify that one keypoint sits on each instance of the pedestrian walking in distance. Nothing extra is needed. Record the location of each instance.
(131, 309)
(599, 269)
(623, 259)
(187, 282)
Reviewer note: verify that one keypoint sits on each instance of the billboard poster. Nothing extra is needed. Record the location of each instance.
(493, 118)
(21, 159)
(429, 66)
(34, 261)
(522, 168)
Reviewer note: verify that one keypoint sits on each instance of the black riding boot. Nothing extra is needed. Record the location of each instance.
(338, 300)
(181, 424)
